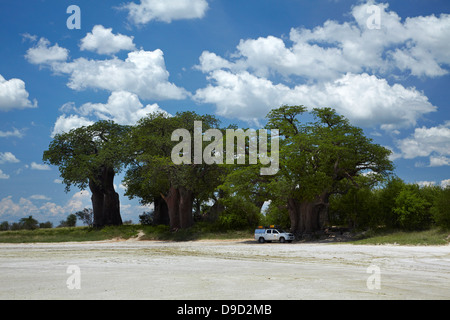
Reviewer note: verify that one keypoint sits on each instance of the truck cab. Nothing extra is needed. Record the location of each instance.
(272, 233)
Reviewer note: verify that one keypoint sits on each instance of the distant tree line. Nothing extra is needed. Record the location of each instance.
(30, 223)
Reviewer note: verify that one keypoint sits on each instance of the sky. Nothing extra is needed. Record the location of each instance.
(65, 64)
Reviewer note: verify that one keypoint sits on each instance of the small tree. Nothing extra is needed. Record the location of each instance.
(146, 218)
(441, 209)
(4, 226)
(71, 221)
(86, 216)
(46, 225)
(412, 209)
(29, 223)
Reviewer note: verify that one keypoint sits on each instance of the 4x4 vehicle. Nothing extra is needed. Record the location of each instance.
(272, 233)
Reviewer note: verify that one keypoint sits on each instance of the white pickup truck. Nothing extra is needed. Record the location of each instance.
(269, 234)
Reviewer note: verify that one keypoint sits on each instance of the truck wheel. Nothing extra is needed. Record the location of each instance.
(261, 240)
(282, 240)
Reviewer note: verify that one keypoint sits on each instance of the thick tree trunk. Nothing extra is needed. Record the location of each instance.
(161, 212)
(308, 216)
(173, 202)
(185, 207)
(179, 203)
(105, 200)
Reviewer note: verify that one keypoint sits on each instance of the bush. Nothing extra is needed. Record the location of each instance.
(412, 209)
(238, 214)
(441, 209)
(146, 218)
(71, 221)
(4, 226)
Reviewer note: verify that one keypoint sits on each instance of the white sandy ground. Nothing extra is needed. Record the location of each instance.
(223, 270)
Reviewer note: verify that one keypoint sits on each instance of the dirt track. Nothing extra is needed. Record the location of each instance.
(235, 270)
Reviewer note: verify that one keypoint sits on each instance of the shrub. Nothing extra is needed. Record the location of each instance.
(441, 209)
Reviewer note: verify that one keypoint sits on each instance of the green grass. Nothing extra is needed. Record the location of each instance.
(80, 234)
(432, 237)
(76, 234)
(198, 232)
(202, 232)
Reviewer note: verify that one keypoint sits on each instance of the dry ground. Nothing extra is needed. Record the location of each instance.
(234, 270)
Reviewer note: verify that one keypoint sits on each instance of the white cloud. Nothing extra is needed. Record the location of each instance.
(364, 99)
(426, 183)
(143, 73)
(79, 201)
(66, 123)
(42, 53)
(439, 161)
(166, 11)
(21, 209)
(41, 167)
(103, 41)
(445, 183)
(14, 133)
(3, 176)
(8, 157)
(419, 45)
(39, 197)
(431, 142)
(13, 95)
(338, 65)
(26, 207)
(122, 107)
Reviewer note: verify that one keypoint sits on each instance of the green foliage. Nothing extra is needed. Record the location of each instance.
(70, 221)
(86, 216)
(29, 223)
(412, 209)
(80, 153)
(151, 170)
(276, 214)
(441, 209)
(238, 214)
(146, 218)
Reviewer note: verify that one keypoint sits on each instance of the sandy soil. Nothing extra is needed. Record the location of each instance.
(220, 270)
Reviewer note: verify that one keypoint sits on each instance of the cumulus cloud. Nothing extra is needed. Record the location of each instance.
(41, 167)
(338, 64)
(102, 41)
(3, 176)
(21, 209)
(364, 99)
(43, 53)
(11, 209)
(13, 95)
(445, 183)
(39, 197)
(431, 142)
(8, 157)
(165, 11)
(14, 133)
(122, 107)
(143, 73)
(66, 123)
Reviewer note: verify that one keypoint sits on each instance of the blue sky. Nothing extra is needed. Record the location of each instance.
(384, 65)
